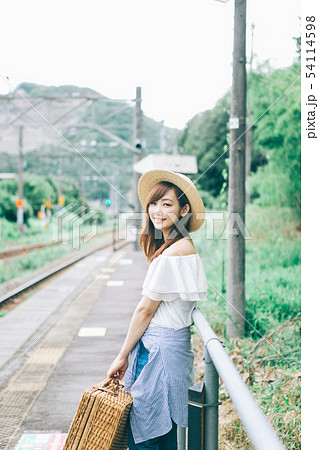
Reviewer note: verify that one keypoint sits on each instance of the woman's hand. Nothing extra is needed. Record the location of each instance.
(118, 367)
(142, 316)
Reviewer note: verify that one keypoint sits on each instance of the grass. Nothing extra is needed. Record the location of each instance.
(34, 232)
(268, 358)
(31, 261)
(26, 264)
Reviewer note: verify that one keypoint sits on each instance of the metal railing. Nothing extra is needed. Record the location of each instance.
(218, 364)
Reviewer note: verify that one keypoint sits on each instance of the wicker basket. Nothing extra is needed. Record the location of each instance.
(100, 422)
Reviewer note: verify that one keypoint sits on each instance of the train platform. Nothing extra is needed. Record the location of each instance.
(60, 341)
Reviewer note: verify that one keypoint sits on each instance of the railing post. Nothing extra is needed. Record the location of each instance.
(195, 438)
(211, 405)
(181, 438)
(259, 430)
(114, 232)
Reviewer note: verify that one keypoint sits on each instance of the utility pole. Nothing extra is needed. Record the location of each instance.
(162, 138)
(82, 178)
(82, 191)
(249, 132)
(252, 27)
(20, 183)
(235, 325)
(60, 178)
(249, 144)
(138, 126)
(114, 197)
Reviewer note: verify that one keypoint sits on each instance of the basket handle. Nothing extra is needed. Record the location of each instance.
(111, 385)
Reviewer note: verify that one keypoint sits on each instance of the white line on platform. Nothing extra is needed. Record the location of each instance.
(103, 276)
(101, 258)
(126, 261)
(115, 283)
(92, 332)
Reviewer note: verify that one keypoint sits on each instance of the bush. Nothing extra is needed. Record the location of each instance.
(36, 189)
(8, 209)
(277, 136)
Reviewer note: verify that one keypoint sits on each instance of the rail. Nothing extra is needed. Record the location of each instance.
(22, 249)
(218, 363)
(25, 248)
(72, 260)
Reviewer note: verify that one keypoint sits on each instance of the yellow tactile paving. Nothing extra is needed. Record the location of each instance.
(47, 355)
(25, 387)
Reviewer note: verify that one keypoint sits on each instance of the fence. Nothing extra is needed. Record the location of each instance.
(203, 400)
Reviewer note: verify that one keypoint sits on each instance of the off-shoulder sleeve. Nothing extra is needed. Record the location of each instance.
(176, 277)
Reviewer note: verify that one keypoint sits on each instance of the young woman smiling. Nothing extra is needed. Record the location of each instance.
(158, 341)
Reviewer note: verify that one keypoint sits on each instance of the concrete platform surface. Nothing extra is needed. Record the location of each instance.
(42, 395)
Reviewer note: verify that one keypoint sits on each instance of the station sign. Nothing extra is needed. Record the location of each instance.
(175, 163)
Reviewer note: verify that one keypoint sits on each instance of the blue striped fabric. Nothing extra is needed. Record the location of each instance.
(161, 390)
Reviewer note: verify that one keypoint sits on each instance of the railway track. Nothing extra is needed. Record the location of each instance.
(23, 249)
(81, 255)
(26, 248)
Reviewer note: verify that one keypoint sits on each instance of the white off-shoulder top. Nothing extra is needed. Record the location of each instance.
(178, 282)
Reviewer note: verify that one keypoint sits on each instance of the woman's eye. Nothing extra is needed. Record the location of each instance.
(165, 204)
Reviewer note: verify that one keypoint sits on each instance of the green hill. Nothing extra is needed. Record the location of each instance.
(61, 128)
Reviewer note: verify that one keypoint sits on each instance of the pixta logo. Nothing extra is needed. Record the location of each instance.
(66, 225)
(130, 224)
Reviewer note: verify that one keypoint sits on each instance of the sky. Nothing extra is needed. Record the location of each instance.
(178, 51)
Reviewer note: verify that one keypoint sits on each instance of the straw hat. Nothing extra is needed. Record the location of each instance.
(149, 179)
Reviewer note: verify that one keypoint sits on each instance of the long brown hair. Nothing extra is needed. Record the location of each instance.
(151, 240)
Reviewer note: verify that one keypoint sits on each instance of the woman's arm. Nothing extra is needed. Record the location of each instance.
(142, 316)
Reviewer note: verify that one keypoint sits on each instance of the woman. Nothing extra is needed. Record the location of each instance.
(161, 363)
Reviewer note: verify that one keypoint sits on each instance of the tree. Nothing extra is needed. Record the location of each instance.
(206, 137)
(36, 189)
(8, 198)
(277, 135)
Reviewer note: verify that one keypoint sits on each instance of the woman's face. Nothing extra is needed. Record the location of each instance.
(166, 211)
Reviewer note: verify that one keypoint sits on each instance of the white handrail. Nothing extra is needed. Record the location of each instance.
(259, 430)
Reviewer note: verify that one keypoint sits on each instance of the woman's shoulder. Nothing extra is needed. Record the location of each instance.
(183, 247)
